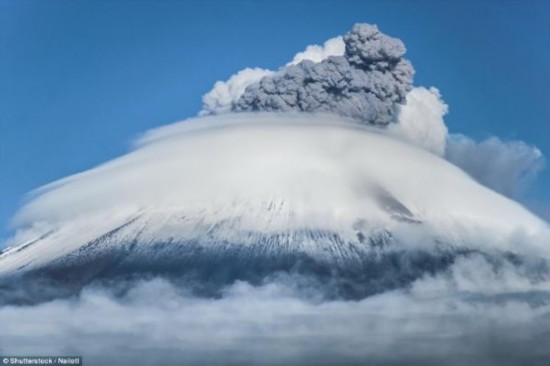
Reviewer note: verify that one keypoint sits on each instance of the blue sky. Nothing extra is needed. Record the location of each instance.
(80, 79)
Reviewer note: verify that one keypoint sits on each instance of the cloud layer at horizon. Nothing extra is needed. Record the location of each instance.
(474, 313)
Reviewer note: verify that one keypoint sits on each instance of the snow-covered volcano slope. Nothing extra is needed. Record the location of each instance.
(242, 196)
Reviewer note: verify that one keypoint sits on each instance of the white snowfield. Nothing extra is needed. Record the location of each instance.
(238, 174)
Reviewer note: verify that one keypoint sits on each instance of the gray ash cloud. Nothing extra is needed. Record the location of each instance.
(366, 83)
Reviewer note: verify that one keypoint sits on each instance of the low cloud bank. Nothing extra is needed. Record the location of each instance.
(474, 313)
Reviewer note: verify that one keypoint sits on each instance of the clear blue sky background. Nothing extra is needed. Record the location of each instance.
(80, 79)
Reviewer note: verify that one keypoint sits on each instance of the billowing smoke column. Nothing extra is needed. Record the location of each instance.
(364, 84)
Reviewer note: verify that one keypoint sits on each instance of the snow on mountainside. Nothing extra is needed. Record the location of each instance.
(258, 193)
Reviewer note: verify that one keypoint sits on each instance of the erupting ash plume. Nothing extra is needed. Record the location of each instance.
(364, 84)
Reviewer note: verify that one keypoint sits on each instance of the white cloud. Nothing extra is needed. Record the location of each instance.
(451, 318)
(332, 47)
(505, 166)
(225, 93)
(420, 120)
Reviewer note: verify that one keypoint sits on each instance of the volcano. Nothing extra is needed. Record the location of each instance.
(213, 200)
